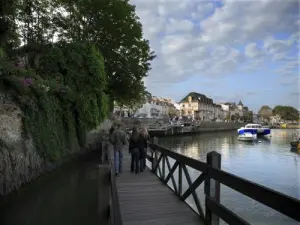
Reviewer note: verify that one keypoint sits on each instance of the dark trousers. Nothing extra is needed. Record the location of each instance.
(143, 153)
(135, 160)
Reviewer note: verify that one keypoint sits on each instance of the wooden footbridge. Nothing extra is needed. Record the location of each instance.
(146, 199)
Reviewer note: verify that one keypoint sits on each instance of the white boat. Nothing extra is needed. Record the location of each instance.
(248, 135)
(260, 130)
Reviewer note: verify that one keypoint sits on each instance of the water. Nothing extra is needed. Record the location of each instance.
(269, 162)
(65, 196)
(68, 195)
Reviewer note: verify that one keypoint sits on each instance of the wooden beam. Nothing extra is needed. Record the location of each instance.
(195, 196)
(228, 216)
(193, 186)
(212, 188)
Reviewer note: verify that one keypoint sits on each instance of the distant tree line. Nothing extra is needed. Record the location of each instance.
(285, 112)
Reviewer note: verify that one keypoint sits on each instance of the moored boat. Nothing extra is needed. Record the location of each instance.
(247, 135)
(263, 131)
(296, 143)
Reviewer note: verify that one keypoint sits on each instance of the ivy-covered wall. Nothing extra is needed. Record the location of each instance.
(60, 92)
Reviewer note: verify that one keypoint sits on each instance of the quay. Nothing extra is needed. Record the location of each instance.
(159, 128)
(146, 198)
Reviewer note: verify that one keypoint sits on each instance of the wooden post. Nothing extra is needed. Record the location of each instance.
(155, 141)
(212, 188)
(179, 179)
(104, 194)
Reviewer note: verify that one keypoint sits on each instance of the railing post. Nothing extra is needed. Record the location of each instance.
(179, 179)
(155, 141)
(104, 194)
(212, 188)
(164, 167)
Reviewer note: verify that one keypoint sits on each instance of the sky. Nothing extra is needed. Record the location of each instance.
(229, 50)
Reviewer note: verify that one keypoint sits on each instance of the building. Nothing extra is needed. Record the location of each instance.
(226, 106)
(157, 107)
(275, 119)
(219, 113)
(197, 106)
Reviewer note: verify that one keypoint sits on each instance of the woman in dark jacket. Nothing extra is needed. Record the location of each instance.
(134, 150)
(144, 146)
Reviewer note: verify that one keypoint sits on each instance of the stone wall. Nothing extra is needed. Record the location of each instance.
(19, 161)
(223, 125)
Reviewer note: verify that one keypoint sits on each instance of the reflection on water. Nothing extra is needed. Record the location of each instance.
(67, 196)
(269, 162)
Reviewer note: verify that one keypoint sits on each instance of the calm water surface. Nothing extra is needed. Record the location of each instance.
(268, 162)
(67, 196)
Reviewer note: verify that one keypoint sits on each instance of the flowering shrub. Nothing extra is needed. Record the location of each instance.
(26, 82)
(61, 99)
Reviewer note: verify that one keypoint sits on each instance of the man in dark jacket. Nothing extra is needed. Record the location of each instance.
(119, 141)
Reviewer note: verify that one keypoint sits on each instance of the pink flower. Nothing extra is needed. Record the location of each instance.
(26, 82)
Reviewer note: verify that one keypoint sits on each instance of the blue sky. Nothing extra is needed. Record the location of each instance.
(229, 50)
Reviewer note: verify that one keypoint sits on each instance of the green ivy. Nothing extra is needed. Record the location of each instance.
(65, 99)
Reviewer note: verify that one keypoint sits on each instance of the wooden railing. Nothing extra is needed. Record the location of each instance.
(108, 202)
(213, 176)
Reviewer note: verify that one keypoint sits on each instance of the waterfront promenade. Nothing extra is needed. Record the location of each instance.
(146, 198)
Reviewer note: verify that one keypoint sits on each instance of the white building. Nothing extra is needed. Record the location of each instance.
(225, 106)
(155, 107)
(219, 112)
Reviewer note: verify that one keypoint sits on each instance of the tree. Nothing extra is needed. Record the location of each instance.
(250, 117)
(114, 28)
(111, 25)
(237, 116)
(35, 21)
(265, 112)
(286, 112)
(8, 29)
(173, 111)
(233, 117)
(228, 116)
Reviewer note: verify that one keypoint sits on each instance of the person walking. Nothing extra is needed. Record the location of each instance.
(144, 146)
(134, 150)
(119, 140)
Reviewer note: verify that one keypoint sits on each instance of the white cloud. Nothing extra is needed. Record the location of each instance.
(252, 51)
(218, 38)
(176, 25)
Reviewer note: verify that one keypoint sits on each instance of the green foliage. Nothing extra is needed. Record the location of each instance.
(286, 112)
(228, 116)
(115, 30)
(265, 112)
(79, 67)
(8, 28)
(59, 109)
(112, 26)
(70, 86)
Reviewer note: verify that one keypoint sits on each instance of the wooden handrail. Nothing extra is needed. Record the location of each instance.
(109, 208)
(280, 202)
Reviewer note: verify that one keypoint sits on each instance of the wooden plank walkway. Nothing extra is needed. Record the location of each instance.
(145, 200)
